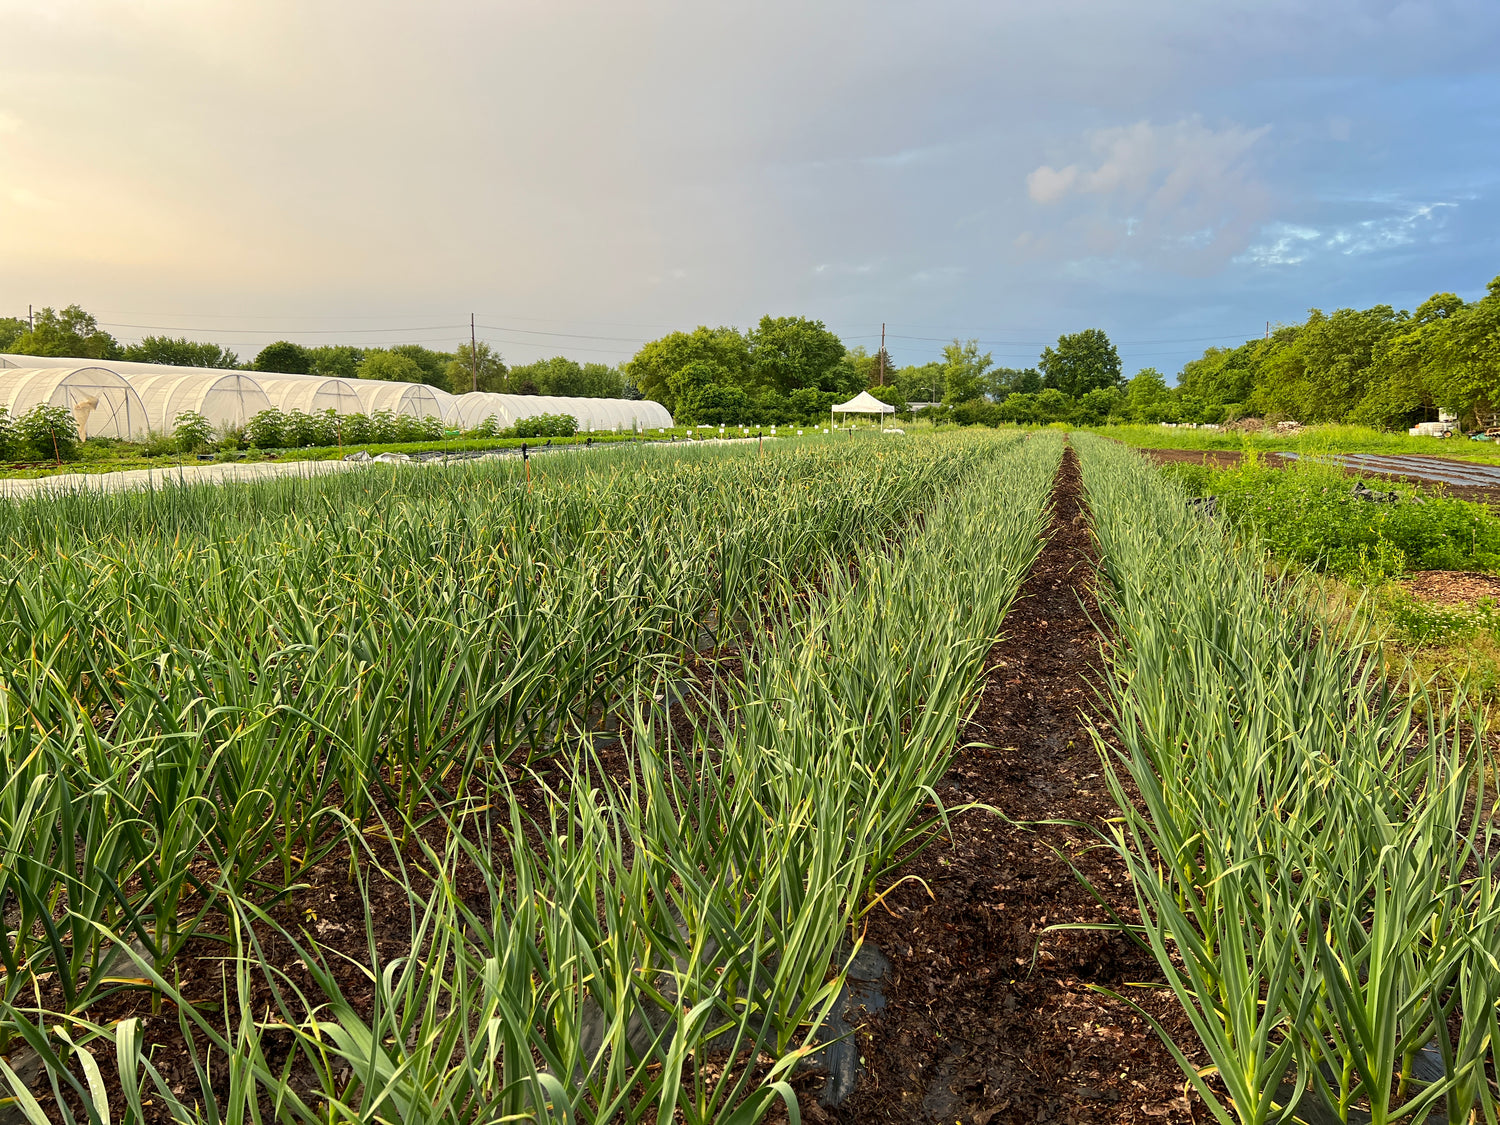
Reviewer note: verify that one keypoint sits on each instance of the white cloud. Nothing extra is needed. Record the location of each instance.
(1048, 184)
(1287, 244)
(1185, 192)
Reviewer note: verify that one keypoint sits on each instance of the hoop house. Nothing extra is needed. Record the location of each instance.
(415, 400)
(592, 413)
(309, 393)
(468, 411)
(225, 398)
(102, 403)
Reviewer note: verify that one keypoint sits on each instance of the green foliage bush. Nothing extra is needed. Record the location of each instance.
(47, 433)
(193, 431)
(1307, 514)
(9, 442)
(277, 429)
(547, 425)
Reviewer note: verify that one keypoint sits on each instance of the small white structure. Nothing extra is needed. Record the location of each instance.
(865, 403)
(102, 403)
(1445, 426)
(415, 400)
(224, 397)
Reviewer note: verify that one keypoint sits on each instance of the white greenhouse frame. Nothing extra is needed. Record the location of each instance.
(223, 396)
(102, 402)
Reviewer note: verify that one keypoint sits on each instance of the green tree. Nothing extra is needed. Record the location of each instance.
(284, 357)
(389, 367)
(891, 395)
(1320, 371)
(11, 328)
(788, 353)
(1002, 381)
(652, 368)
(69, 333)
(715, 404)
(1081, 362)
(1464, 355)
(181, 352)
(1099, 406)
(491, 367)
(1145, 389)
(1222, 376)
(921, 383)
(434, 365)
(336, 361)
(964, 372)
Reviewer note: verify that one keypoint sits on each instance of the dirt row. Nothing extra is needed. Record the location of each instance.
(990, 1016)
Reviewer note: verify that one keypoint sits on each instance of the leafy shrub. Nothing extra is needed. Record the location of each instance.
(488, 428)
(193, 431)
(9, 442)
(48, 432)
(547, 425)
(1306, 514)
(158, 444)
(267, 429)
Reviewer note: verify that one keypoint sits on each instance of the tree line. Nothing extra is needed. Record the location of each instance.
(1377, 366)
(75, 332)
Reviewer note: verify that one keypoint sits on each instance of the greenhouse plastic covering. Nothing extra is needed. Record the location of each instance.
(415, 400)
(231, 397)
(224, 398)
(309, 393)
(101, 402)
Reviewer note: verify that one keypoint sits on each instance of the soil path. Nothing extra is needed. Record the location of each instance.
(989, 1016)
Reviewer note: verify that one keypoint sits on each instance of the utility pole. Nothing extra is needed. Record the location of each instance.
(30, 319)
(882, 353)
(1268, 330)
(474, 357)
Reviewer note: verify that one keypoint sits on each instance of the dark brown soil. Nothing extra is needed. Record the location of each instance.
(990, 1017)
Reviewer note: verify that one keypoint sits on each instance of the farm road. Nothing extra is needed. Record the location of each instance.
(989, 1017)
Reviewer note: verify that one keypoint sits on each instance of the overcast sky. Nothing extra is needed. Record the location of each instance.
(585, 176)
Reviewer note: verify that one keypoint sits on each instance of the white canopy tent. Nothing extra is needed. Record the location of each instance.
(224, 397)
(865, 403)
(102, 403)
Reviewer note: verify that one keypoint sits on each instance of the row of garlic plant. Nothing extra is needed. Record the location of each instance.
(200, 686)
(673, 937)
(1313, 848)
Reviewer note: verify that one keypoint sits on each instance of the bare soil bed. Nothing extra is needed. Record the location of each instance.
(990, 1018)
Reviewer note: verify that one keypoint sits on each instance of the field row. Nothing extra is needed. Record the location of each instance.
(211, 694)
(1313, 849)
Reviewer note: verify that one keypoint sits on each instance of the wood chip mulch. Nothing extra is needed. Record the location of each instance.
(990, 1018)
(1451, 587)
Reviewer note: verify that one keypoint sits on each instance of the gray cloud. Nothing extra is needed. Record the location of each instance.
(974, 166)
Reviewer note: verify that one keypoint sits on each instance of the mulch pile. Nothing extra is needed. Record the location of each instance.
(990, 1018)
(1451, 587)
